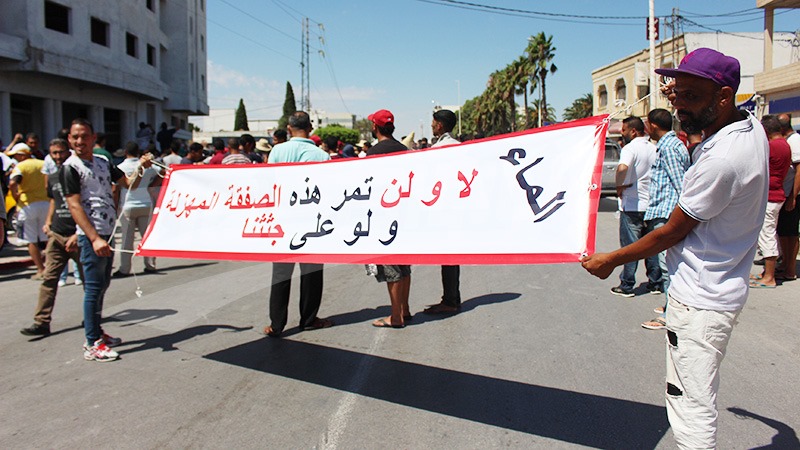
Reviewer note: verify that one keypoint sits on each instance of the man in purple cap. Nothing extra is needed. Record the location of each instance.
(709, 238)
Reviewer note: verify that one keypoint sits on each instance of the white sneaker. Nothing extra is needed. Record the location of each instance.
(62, 283)
(78, 282)
(99, 352)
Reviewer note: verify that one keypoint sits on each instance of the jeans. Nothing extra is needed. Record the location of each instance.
(96, 278)
(652, 225)
(631, 229)
(451, 293)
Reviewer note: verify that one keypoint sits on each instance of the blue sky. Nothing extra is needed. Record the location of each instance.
(403, 55)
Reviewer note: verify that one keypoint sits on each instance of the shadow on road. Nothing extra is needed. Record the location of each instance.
(574, 417)
(166, 342)
(468, 305)
(786, 437)
(140, 316)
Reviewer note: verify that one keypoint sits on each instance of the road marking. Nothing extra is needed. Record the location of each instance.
(338, 421)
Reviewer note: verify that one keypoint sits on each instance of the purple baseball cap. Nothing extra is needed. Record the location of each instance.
(709, 64)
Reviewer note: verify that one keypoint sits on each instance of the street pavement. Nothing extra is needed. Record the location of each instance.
(541, 356)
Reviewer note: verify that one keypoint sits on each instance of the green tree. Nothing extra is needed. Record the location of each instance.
(534, 114)
(289, 106)
(541, 48)
(240, 122)
(346, 135)
(364, 128)
(580, 108)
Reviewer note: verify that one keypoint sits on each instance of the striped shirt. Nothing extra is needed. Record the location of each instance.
(236, 158)
(666, 176)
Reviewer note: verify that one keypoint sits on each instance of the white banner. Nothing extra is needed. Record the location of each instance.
(529, 197)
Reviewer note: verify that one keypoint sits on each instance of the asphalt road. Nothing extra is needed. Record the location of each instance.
(540, 357)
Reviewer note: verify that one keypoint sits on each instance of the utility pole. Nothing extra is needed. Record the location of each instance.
(305, 83)
(652, 33)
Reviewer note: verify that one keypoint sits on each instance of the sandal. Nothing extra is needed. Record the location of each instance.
(659, 310)
(271, 333)
(318, 324)
(759, 285)
(382, 323)
(655, 324)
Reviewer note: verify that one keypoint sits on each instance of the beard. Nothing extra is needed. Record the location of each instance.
(696, 124)
(374, 135)
(626, 139)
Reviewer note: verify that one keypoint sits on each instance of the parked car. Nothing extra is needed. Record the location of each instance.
(610, 163)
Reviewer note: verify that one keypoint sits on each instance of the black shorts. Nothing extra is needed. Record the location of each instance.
(788, 221)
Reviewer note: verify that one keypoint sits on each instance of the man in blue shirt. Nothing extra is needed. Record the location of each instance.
(666, 182)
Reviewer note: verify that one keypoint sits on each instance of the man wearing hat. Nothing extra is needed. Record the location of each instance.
(28, 186)
(710, 238)
(262, 145)
(397, 277)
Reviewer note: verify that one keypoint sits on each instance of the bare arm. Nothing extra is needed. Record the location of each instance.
(790, 202)
(133, 182)
(101, 247)
(675, 230)
(13, 186)
(49, 220)
(622, 173)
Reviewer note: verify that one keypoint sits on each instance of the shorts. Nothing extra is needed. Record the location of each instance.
(30, 221)
(392, 274)
(789, 221)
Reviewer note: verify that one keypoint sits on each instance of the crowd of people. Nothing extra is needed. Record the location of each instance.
(695, 206)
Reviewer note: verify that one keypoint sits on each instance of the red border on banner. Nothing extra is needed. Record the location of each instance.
(601, 124)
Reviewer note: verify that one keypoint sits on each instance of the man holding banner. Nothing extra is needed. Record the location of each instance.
(710, 237)
(298, 149)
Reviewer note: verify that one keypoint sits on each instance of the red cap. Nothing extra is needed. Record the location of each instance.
(317, 140)
(381, 117)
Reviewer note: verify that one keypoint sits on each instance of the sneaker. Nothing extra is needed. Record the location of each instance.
(37, 329)
(62, 283)
(655, 291)
(616, 290)
(78, 282)
(111, 341)
(99, 352)
(119, 274)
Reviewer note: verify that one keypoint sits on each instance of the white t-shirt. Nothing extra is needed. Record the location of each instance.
(639, 155)
(140, 196)
(726, 191)
(794, 143)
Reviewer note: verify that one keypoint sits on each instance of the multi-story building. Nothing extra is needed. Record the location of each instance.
(620, 85)
(116, 62)
(779, 82)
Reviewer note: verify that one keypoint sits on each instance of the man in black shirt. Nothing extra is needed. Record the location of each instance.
(397, 277)
(62, 244)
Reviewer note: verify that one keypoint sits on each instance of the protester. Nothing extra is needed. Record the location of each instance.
(633, 190)
(164, 137)
(195, 154)
(27, 184)
(789, 217)
(397, 277)
(710, 239)
(86, 181)
(136, 207)
(99, 146)
(442, 125)
(298, 149)
(235, 154)
(172, 153)
(666, 183)
(247, 146)
(219, 152)
(62, 244)
(780, 159)
(263, 146)
(32, 141)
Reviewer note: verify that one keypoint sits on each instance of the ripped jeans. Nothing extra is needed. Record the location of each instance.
(696, 343)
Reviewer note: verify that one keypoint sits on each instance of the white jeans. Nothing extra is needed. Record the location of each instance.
(132, 219)
(696, 342)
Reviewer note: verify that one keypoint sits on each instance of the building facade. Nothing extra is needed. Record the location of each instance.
(117, 63)
(778, 83)
(619, 86)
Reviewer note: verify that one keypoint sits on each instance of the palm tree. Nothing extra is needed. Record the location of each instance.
(541, 48)
(536, 117)
(522, 70)
(580, 108)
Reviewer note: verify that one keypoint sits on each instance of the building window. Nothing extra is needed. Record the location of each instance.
(99, 32)
(56, 17)
(620, 91)
(602, 96)
(202, 5)
(203, 82)
(149, 4)
(151, 55)
(202, 43)
(132, 45)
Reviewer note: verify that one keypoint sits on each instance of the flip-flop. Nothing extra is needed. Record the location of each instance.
(655, 324)
(382, 323)
(755, 277)
(760, 285)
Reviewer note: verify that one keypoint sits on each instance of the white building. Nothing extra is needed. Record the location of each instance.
(117, 63)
